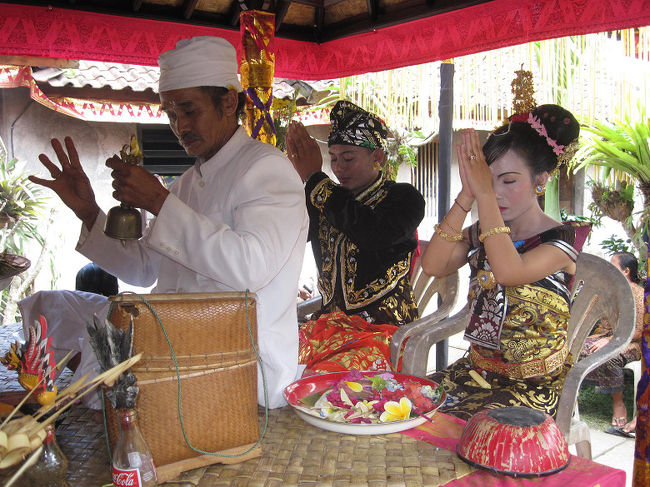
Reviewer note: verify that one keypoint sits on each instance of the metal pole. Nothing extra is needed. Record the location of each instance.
(445, 112)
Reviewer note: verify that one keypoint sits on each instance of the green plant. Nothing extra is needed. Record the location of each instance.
(22, 211)
(20, 206)
(284, 111)
(615, 244)
(400, 150)
(593, 219)
(622, 150)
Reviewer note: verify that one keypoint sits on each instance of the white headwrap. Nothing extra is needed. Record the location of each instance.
(199, 61)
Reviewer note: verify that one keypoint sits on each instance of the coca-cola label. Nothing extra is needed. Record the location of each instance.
(126, 478)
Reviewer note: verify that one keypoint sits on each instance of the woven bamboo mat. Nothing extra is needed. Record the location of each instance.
(293, 454)
(296, 453)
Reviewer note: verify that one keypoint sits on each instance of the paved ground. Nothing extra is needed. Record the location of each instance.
(613, 451)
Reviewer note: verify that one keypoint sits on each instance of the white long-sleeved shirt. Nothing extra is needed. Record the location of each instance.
(236, 221)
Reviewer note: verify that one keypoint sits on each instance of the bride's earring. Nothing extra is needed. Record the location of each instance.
(540, 189)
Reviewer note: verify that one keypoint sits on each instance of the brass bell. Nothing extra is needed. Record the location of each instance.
(123, 222)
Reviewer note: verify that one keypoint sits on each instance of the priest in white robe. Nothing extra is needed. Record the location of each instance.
(236, 220)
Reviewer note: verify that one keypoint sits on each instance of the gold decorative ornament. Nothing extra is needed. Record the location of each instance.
(523, 91)
(444, 219)
(540, 189)
(486, 279)
(257, 67)
(569, 151)
(446, 236)
(493, 231)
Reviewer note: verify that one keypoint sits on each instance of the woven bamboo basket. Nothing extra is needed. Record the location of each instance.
(217, 367)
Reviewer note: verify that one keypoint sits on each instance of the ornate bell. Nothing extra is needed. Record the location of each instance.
(125, 222)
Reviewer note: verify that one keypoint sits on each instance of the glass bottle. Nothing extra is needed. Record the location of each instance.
(132, 461)
(51, 468)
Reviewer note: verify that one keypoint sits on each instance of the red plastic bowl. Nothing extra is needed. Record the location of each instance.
(516, 441)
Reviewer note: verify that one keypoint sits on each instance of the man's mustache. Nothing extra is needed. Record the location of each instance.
(189, 138)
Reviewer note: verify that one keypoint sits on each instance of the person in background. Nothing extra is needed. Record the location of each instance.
(93, 279)
(362, 232)
(236, 220)
(609, 377)
(522, 263)
(67, 313)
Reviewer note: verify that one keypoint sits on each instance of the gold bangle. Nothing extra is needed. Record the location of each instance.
(493, 231)
(461, 206)
(444, 220)
(449, 238)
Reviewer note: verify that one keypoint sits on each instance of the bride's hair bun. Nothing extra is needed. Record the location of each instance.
(541, 137)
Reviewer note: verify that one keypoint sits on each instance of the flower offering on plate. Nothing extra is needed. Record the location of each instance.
(370, 402)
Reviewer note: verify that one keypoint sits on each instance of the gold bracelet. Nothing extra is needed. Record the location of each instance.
(449, 238)
(493, 231)
(444, 220)
(461, 206)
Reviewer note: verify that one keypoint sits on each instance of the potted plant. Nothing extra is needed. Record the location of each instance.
(622, 149)
(21, 208)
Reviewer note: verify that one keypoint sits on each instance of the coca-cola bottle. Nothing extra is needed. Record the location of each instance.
(132, 461)
(51, 468)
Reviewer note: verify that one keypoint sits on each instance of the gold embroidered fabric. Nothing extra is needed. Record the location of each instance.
(533, 340)
(387, 298)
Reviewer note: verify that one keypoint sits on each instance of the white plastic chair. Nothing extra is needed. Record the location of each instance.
(425, 288)
(600, 291)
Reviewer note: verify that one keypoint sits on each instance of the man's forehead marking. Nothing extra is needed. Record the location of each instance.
(168, 105)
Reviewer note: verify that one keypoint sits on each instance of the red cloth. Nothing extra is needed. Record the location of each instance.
(336, 342)
(74, 34)
(445, 432)
(416, 254)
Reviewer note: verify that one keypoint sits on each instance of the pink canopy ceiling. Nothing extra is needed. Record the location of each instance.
(74, 34)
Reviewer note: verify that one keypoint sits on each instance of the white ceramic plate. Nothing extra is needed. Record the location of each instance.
(315, 383)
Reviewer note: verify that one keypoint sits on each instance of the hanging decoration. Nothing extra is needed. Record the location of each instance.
(15, 76)
(88, 110)
(257, 65)
(523, 91)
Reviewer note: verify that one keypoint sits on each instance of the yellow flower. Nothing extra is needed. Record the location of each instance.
(365, 406)
(396, 411)
(354, 386)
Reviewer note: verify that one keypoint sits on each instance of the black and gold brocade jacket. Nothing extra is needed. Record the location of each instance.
(363, 245)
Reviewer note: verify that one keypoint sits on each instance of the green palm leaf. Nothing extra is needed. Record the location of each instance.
(620, 146)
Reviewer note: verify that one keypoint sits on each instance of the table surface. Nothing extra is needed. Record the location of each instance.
(295, 453)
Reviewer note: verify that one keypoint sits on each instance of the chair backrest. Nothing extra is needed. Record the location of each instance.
(600, 291)
(426, 287)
